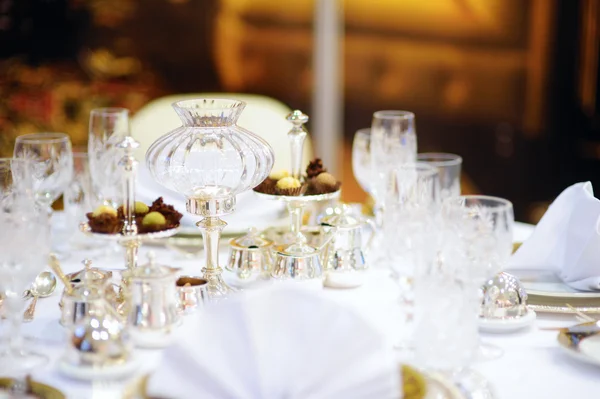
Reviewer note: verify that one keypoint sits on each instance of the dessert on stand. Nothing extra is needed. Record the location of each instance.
(133, 222)
(296, 259)
(209, 160)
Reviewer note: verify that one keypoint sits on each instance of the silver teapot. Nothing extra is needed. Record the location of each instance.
(347, 251)
(89, 292)
(153, 297)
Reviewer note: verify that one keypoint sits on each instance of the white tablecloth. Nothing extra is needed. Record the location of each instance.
(532, 365)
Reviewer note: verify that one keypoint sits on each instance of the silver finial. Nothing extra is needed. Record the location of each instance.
(297, 136)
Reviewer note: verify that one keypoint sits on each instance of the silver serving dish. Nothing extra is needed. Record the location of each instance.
(503, 297)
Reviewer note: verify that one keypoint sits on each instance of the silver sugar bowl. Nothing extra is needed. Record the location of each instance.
(154, 303)
(192, 293)
(250, 256)
(298, 261)
(503, 297)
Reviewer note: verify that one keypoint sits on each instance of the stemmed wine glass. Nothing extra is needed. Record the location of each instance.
(478, 243)
(108, 127)
(25, 247)
(52, 159)
(52, 162)
(409, 231)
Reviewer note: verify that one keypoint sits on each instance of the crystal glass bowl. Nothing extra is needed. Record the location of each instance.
(209, 159)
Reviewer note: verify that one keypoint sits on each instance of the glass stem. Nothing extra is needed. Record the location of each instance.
(131, 253)
(211, 233)
(296, 210)
(15, 340)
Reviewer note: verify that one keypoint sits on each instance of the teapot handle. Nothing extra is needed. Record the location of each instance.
(373, 229)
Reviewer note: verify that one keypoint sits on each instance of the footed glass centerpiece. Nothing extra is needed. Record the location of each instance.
(209, 160)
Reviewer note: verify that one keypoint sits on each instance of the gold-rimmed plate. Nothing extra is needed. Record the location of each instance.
(415, 385)
(36, 389)
(581, 342)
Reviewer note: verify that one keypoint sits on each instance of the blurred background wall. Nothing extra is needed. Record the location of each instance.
(511, 85)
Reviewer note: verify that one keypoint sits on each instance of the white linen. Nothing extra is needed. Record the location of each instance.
(566, 240)
(533, 366)
(281, 342)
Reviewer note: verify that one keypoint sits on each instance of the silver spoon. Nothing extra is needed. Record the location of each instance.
(43, 286)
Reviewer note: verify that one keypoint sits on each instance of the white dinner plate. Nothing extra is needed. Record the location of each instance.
(507, 325)
(547, 284)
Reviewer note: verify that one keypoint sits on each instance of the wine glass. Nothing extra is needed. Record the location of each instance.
(361, 158)
(108, 127)
(52, 159)
(477, 244)
(79, 199)
(409, 231)
(25, 247)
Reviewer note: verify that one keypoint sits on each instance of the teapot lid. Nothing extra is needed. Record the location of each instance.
(152, 269)
(250, 241)
(89, 273)
(343, 218)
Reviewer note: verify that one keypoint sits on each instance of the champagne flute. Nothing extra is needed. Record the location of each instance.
(108, 127)
(393, 143)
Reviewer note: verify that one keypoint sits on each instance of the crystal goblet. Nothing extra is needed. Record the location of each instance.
(209, 160)
(478, 243)
(24, 226)
(52, 158)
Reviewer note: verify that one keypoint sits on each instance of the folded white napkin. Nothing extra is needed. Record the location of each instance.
(566, 240)
(250, 210)
(277, 343)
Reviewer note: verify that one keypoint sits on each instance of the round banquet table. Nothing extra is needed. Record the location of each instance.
(533, 366)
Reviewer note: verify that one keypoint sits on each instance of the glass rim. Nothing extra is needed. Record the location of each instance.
(13, 159)
(394, 115)
(225, 103)
(45, 137)
(109, 111)
(503, 203)
(440, 158)
(425, 170)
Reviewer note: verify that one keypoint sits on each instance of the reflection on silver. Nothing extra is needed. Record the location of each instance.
(98, 340)
(503, 297)
(192, 293)
(347, 251)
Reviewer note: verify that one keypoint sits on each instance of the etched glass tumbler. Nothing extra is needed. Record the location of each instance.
(209, 160)
(108, 127)
(448, 166)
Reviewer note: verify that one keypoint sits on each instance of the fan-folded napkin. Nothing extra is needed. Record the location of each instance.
(566, 240)
(274, 344)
